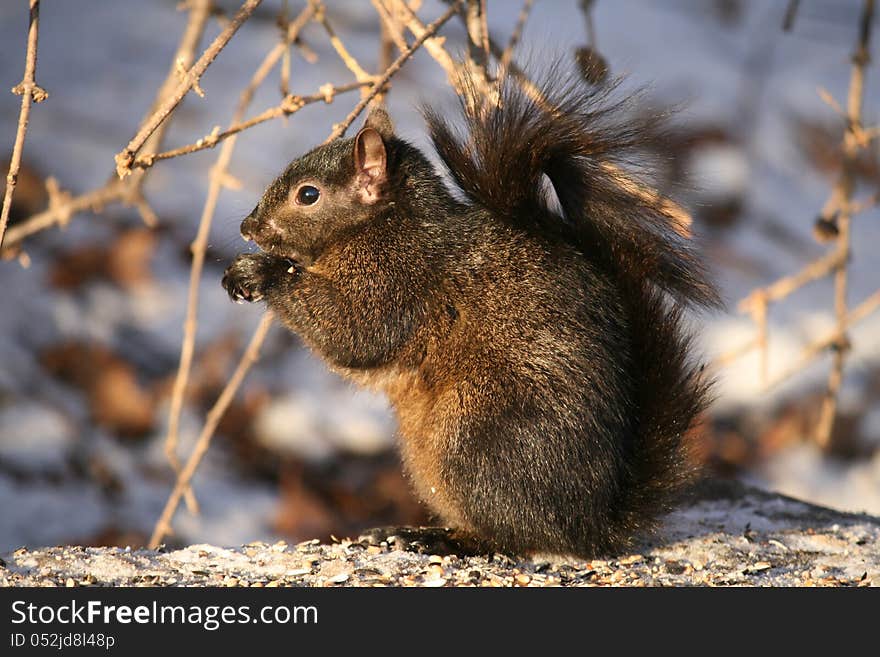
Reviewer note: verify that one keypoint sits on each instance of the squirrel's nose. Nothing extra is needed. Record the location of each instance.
(249, 227)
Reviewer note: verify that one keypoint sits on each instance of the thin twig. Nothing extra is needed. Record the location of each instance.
(426, 34)
(790, 14)
(290, 105)
(836, 338)
(200, 245)
(732, 355)
(390, 30)
(386, 49)
(200, 14)
(61, 213)
(507, 54)
(478, 39)
(348, 59)
(787, 284)
(587, 10)
(29, 92)
(434, 45)
(838, 210)
(285, 58)
(115, 191)
(163, 526)
(845, 187)
(125, 157)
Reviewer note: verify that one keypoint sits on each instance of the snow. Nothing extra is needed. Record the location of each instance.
(802, 471)
(34, 436)
(102, 62)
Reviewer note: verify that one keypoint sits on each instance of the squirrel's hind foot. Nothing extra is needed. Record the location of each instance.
(427, 540)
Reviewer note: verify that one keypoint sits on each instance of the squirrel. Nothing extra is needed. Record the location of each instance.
(526, 327)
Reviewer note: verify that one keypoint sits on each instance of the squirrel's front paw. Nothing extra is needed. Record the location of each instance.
(250, 275)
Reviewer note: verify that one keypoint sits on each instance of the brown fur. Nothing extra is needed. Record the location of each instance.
(536, 361)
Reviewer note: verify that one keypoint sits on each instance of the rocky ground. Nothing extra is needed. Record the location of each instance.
(724, 534)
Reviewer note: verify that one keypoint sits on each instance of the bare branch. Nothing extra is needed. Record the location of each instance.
(350, 62)
(507, 54)
(127, 155)
(434, 45)
(790, 14)
(290, 105)
(426, 35)
(61, 213)
(200, 245)
(835, 339)
(788, 284)
(845, 187)
(163, 526)
(112, 192)
(390, 27)
(29, 92)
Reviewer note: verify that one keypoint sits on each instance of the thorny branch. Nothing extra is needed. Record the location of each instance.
(29, 92)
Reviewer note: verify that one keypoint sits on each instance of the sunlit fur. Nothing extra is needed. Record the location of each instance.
(536, 360)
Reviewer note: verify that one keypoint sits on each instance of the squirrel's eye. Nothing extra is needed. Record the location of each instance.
(307, 195)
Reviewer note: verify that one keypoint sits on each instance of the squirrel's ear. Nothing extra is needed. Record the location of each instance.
(371, 164)
(380, 121)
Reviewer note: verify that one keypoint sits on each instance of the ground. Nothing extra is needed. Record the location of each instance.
(724, 534)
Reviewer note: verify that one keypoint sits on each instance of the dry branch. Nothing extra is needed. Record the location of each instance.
(433, 44)
(190, 80)
(838, 212)
(61, 210)
(200, 245)
(507, 54)
(477, 62)
(426, 35)
(391, 28)
(844, 191)
(836, 339)
(783, 287)
(29, 92)
(289, 105)
(163, 526)
(347, 58)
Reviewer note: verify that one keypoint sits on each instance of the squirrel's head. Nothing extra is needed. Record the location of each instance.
(324, 194)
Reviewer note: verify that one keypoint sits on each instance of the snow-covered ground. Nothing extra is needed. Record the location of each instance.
(102, 62)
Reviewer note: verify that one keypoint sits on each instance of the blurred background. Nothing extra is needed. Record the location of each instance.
(92, 314)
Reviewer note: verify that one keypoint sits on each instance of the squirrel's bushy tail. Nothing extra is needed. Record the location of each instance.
(584, 142)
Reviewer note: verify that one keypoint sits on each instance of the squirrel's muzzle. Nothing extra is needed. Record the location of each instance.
(249, 227)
